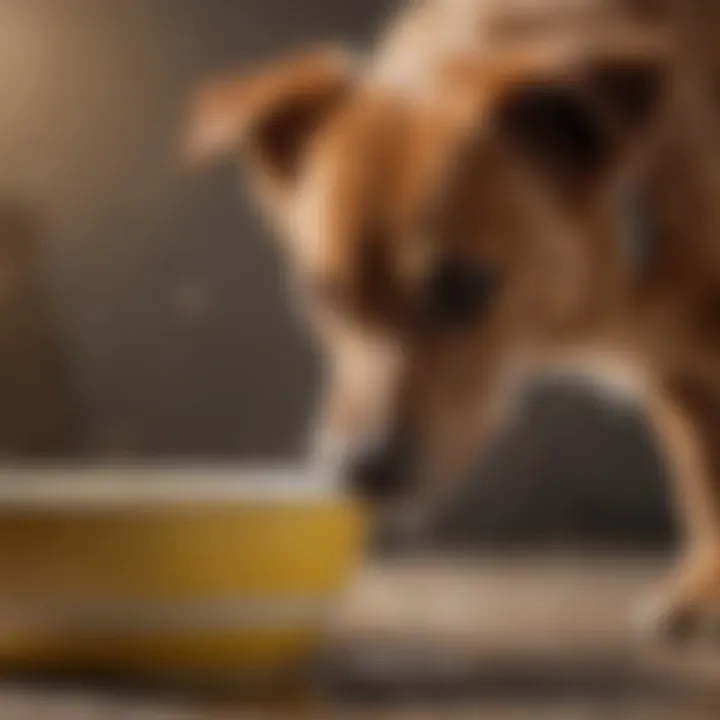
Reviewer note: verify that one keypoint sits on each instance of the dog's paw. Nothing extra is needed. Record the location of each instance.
(688, 610)
(660, 618)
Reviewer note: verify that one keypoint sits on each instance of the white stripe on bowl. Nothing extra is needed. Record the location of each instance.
(161, 484)
(221, 614)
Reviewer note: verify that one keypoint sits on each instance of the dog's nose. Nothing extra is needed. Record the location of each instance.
(379, 473)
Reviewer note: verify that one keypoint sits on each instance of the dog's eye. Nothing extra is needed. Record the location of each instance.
(460, 292)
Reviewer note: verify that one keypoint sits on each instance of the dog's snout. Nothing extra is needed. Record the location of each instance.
(379, 473)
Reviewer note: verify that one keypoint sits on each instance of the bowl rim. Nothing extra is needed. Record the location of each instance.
(148, 485)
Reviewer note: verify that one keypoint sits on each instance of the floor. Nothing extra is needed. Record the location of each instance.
(512, 637)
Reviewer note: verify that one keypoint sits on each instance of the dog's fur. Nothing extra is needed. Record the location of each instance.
(490, 140)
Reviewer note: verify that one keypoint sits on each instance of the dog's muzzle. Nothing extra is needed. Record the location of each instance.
(383, 471)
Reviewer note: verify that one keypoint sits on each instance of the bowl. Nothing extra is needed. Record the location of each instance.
(167, 570)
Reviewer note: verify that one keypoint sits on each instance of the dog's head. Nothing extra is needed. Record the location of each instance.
(434, 242)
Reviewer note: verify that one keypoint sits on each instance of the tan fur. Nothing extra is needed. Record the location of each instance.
(407, 166)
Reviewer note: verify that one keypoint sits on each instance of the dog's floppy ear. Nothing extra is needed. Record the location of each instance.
(582, 124)
(576, 109)
(269, 114)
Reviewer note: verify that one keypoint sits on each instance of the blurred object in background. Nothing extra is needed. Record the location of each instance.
(38, 415)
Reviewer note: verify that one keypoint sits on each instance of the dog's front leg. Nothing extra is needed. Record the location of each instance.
(687, 422)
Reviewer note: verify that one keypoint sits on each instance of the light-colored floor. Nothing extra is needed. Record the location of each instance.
(573, 613)
(503, 637)
(25, 707)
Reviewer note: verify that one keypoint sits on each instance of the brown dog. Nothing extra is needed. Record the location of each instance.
(456, 217)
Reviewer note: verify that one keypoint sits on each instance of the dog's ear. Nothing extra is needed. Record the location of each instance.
(581, 126)
(575, 110)
(270, 114)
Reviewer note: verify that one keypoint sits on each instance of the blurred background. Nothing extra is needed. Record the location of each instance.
(142, 312)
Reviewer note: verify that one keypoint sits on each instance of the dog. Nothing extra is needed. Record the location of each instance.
(456, 210)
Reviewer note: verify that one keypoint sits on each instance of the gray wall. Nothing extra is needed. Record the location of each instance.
(166, 285)
(166, 289)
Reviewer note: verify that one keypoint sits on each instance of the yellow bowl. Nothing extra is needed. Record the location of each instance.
(166, 570)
